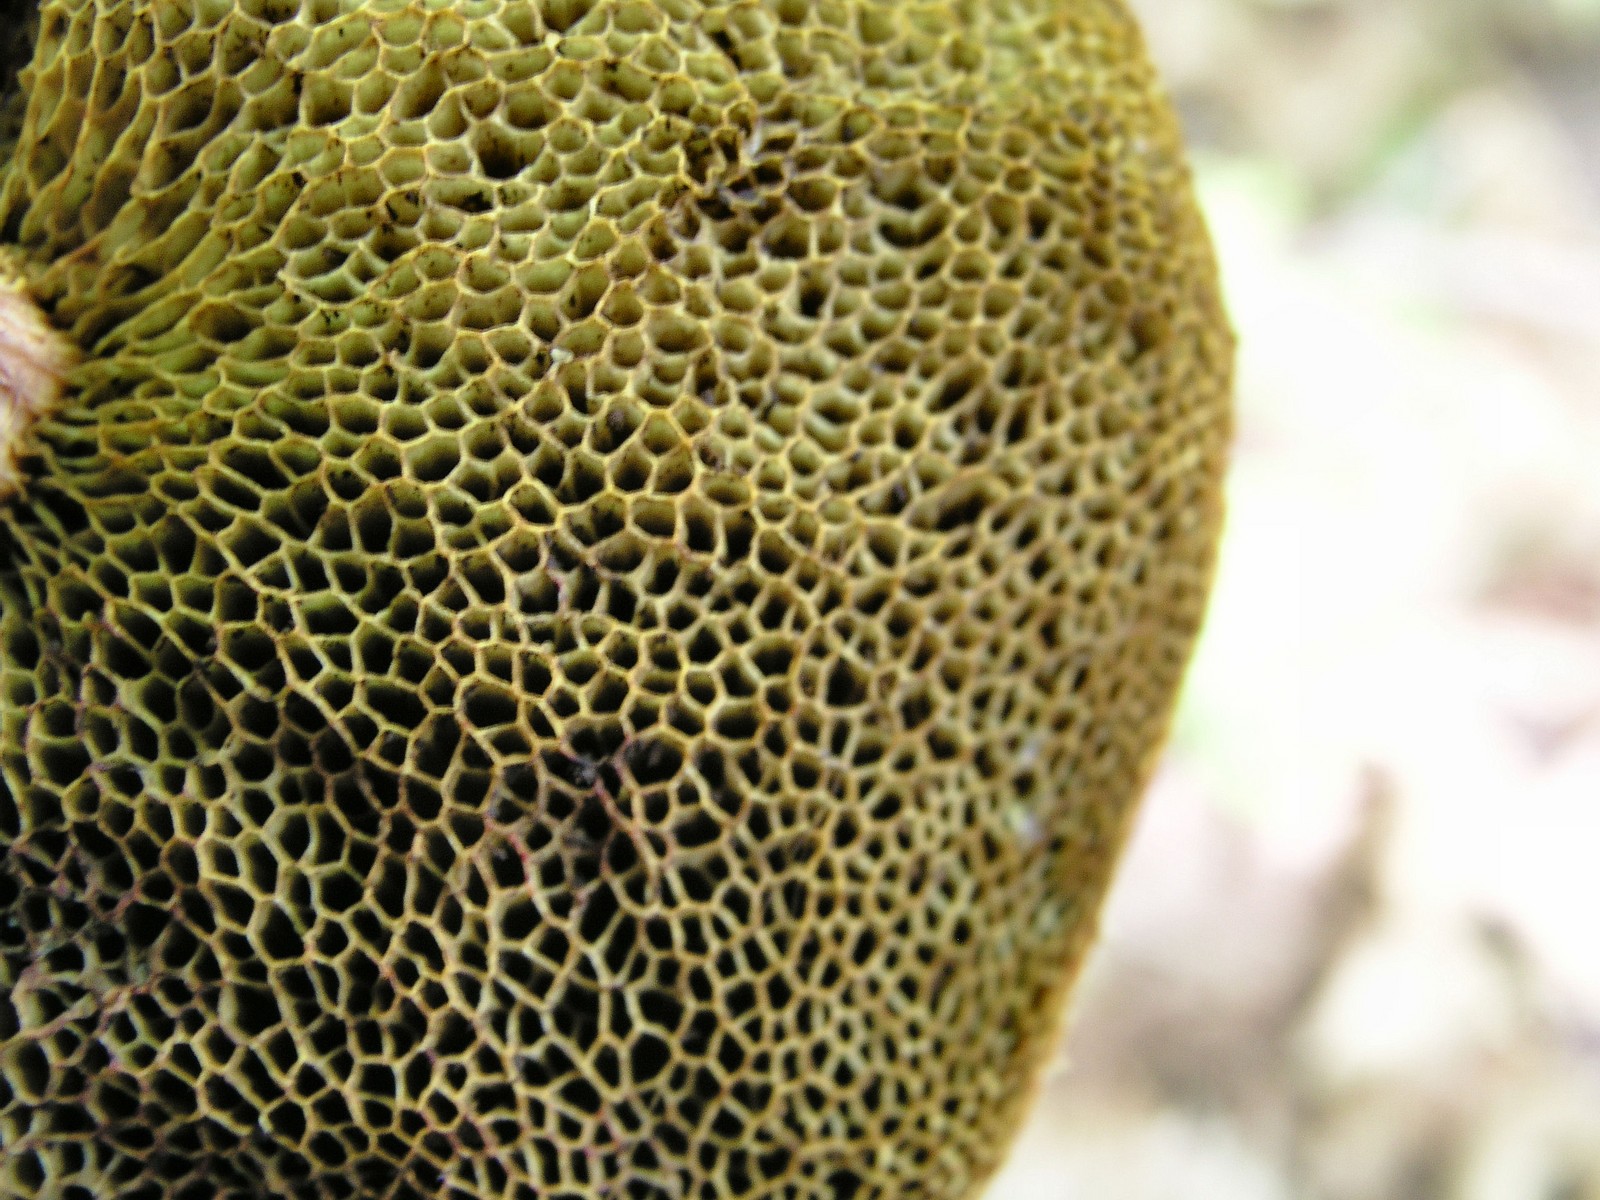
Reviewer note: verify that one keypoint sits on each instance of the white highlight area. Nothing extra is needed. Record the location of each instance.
(33, 361)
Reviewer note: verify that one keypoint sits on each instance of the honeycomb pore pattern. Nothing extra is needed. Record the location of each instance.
(593, 613)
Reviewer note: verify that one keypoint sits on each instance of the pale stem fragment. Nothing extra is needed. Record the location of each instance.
(34, 359)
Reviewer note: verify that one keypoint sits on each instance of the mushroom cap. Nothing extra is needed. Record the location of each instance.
(601, 592)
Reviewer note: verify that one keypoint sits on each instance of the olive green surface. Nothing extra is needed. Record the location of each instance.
(592, 617)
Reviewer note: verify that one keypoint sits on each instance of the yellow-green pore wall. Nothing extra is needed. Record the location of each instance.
(596, 604)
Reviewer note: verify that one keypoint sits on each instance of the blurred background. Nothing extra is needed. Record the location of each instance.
(1353, 952)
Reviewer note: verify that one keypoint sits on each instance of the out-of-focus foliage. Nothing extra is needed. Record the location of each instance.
(1351, 955)
(1334, 91)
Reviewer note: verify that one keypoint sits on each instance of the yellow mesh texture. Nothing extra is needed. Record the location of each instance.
(593, 615)
(17, 35)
